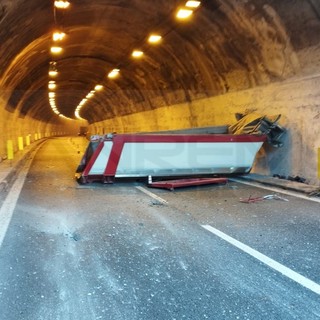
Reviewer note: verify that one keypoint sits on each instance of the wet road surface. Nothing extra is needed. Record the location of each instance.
(113, 252)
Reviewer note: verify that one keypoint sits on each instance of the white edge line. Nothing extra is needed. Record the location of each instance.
(311, 285)
(152, 195)
(9, 204)
(276, 189)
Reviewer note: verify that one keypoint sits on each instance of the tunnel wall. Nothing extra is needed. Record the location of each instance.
(12, 127)
(297, 100)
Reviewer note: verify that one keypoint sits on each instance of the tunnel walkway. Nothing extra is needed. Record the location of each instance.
(113, 252)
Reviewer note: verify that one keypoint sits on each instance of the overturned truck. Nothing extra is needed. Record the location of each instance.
(167, 155)
(219, 150)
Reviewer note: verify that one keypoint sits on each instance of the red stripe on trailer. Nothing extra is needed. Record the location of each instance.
(114, 157)
(124, 138)
(92, 160)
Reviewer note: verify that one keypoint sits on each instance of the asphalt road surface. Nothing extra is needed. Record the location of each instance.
(117, 252)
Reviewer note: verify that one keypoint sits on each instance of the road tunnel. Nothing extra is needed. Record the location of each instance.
(141, 66)
(231, 250)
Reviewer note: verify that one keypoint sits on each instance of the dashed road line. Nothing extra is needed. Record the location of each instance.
(307, 283)
(152, 195)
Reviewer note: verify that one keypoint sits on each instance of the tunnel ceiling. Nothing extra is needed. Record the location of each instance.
(227, 45)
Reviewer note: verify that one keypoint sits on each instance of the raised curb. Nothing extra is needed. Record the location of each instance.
(281, 183)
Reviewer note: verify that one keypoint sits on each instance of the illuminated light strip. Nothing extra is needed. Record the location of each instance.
(184, 13)
(114, 73)
(56, 50)
(98, 87)
(154, 38)
(62, 4)
(193, 4)
(137, 54)
(58, 36)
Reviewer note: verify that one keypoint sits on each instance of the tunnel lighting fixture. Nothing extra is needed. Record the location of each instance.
(52, 94)
(113, 74)
(137, 54)
(77, 114)
(53, 73)
(90, 95)
(98, 87)
(154, 38)
(52, 85)
(58, 36)
(83, 101)
(193, 4)
(56, 50)
(62, 4)
(184, 13)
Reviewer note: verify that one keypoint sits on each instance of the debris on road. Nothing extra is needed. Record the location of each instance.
(267, 197)
(315, 193)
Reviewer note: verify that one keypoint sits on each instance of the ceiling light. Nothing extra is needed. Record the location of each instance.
(89, 95)
(53, 73)
(53, 69)
(184, 13)
(83, 101)
(56, 49)
(113, 74)
(193, 4)
(52, 85)
(98, 87)
(137, 54)
(62, 4)
(58, 36)
(51, 94)
(154, 38)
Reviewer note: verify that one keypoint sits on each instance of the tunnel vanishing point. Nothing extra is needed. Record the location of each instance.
(138, 66)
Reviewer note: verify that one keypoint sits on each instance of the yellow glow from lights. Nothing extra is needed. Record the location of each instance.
(58, 36)
(52, 94)
(184, 13)
(53, 73)
(52, 85)
(154, 38)
(114, 73)
(62, 4)
(56, 50)
(89, 95)
(193, 4)
(98, 87)
(137, 54)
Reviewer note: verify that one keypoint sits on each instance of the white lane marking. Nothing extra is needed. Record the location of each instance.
(152, 195)
(10, 202)
(311, 285)
(287, 192)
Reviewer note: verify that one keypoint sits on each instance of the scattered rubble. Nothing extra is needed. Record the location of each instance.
(267, 197)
